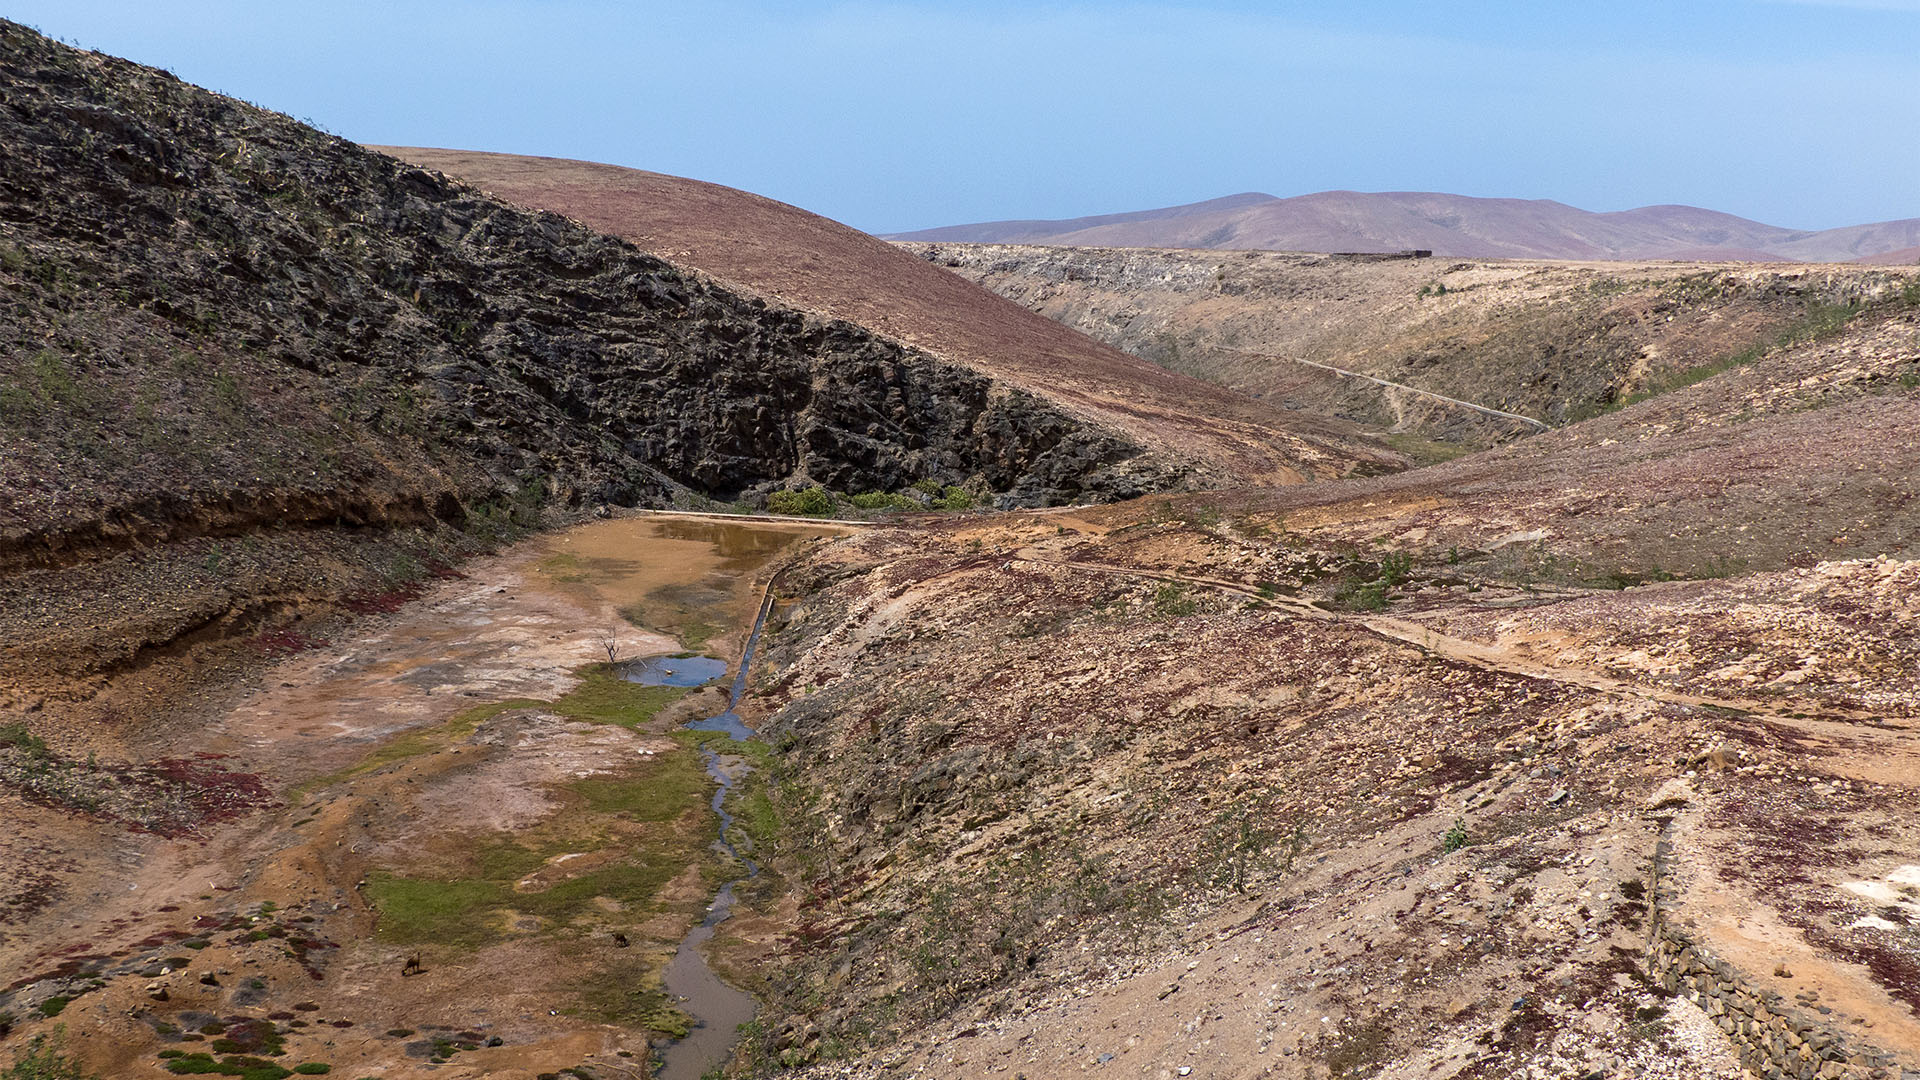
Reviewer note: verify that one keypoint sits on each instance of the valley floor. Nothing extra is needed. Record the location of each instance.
(453, 844)
(1169, 788)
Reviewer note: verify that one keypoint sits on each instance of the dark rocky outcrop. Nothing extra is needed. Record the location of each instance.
(208, 304)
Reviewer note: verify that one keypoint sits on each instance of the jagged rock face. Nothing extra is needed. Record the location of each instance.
(419, 336)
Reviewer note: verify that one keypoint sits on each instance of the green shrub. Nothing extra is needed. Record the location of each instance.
(44, 1060)
(1456, 837)
(883, 500)
(1366, 586)
(313, 1068)
(815, 501)
(1171, 601)
(954, 497)
(17, 737)
(246, 1068)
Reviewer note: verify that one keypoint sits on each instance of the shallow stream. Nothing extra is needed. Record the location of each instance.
(716, 1009)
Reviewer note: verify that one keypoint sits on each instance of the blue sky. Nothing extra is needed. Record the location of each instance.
(892, 116)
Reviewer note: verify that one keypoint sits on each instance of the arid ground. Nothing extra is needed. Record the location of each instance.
(1161, 705)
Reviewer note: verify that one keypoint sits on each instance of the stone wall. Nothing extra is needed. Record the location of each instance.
(1771, 1039)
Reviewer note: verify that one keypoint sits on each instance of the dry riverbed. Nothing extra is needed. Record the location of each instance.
(456, 843)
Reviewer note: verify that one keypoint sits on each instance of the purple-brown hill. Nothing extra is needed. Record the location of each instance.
(1455, 225)
(803, 260)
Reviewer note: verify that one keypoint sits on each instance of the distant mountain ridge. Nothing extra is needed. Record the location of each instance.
(1452, 225)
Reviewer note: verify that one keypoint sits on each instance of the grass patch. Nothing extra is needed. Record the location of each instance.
(658, 820)
(1425, 451)
(471, 912)
(605, 698)
(696, 632)
(428, 911)
(601, 698)
(756, 814)
(412, 744)
(674, 783)
(631, 994)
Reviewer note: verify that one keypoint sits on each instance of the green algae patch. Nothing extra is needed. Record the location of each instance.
(603, 862)
(633, 994)
(603, 697)
(565, 568)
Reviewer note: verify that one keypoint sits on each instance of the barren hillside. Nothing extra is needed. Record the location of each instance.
(1593, 755)
(1551, 341)
(251, 368)
(801, 259)
(349, 725)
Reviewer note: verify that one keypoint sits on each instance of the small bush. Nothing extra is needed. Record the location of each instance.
(54, 1006)
(45, 1060)
(313, 1068)
(17, 737)
(1171, 601)
(883, 500)
(246, 1068)
(1366, 586)
(815, 501)
(1456, 837)
(954, 497)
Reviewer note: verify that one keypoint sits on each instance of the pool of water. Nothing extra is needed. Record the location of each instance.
(673, 670)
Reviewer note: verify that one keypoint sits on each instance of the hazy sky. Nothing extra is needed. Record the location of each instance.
(893, 116)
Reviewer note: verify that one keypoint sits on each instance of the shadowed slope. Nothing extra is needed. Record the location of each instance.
(808, 261)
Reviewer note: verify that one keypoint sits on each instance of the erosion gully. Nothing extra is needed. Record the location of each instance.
(707, 599)
(717, 1010)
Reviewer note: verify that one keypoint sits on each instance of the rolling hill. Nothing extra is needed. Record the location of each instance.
(1452, 225)
(799, 259)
